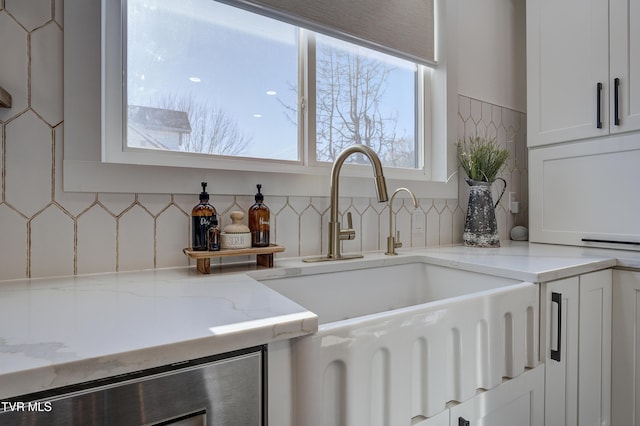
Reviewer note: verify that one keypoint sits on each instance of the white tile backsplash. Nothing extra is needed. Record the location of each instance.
(46, 232)
(310, 243)
(136, 240)
(73, 202)
(2, 149)
(96, 243)
(433, 226)
(155, 203)
(46, 72)
(117, 204)
(13, 244)
(172, 235)
(57, 12)
(14, 73)
(51, 243)
(285, 229)
(31, 14)
(28, 164)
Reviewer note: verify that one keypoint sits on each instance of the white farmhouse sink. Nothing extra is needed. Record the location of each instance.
(396, 343)
(336, 296)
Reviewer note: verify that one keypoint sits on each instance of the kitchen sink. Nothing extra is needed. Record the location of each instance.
(340, 295)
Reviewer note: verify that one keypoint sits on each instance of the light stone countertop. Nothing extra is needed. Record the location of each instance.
(532, 262)
(60, 331)
(517, 260)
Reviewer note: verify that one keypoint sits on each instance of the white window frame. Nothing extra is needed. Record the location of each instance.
(93, 110)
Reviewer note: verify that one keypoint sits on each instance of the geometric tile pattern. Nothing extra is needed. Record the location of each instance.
(47, 232)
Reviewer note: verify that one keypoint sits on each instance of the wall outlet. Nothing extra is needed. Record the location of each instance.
(418, 220)
(418, 228)
(514, 204)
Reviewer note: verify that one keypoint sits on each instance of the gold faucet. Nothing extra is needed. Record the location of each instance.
(335, 233)
(394, 242)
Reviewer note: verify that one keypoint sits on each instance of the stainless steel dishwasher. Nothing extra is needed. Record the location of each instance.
(216, 391)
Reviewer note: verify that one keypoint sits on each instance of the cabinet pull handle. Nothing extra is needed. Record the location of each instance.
(463, 422)
(616, 115)
(557, 298)
(596, 240)
(599, 102)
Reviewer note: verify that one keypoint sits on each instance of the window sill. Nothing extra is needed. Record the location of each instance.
(94, 176)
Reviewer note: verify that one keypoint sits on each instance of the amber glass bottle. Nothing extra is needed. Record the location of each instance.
(259, 221)
(213, 236)
(202, 217)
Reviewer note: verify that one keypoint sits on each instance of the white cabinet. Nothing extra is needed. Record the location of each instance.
(518, 401)
(624, 54)
(583, 66)
(583, 89)
(567, 55)
(594, 349)
(626, 349)
(583, 193)
(561, 351)
(576, 345)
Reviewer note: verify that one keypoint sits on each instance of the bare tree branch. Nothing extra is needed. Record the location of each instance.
(349, 92)
(212, 130)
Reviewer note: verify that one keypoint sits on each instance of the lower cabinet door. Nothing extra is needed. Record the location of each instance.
(519, 401)
(576, 347)
(625, 399)
(594, 349)
(559, 341)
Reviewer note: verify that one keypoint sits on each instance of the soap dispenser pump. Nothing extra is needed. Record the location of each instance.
(202, 218)
(259, 216)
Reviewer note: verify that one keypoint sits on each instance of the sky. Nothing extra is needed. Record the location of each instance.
(242, 62)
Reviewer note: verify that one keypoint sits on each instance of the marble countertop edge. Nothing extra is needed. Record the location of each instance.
(223, 339)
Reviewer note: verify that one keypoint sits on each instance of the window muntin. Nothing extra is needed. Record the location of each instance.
(241, 98)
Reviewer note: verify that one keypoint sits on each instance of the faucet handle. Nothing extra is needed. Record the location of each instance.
(398, 243)
(349, 233)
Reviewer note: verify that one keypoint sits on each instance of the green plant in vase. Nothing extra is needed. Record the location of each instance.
(481, 159)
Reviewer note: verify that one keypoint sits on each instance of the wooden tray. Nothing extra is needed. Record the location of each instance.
(264, 256)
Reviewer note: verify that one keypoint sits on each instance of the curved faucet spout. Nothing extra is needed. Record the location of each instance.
(394, 242)
(381, 185)
(335, 233)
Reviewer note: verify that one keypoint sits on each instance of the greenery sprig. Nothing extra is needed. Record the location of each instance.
(481, 158)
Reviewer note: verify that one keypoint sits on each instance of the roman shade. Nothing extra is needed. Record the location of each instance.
(403, 28)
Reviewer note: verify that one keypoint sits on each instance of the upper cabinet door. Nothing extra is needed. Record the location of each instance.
(567, 70)
(625, 65)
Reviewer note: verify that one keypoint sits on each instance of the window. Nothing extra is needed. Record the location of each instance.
(362, 96)
(215, 87)
(204, 77)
